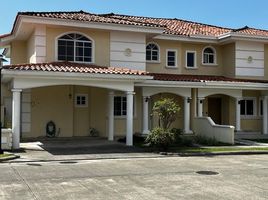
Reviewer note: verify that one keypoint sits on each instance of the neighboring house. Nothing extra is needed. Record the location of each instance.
(83, 70)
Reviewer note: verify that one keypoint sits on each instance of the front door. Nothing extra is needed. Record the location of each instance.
(214, 109)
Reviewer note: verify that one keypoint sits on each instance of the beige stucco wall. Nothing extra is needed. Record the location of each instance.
(31, 48)
(181, 47)
(201, 69)
(57, 104)
(254, 123)
(18, 52)
(101, 40)
(160, 67)
(228, 59)
(51, 103)
(81, 118)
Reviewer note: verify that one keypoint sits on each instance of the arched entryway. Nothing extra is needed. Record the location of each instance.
(181, 95)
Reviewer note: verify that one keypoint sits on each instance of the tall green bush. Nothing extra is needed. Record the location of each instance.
(166, 109)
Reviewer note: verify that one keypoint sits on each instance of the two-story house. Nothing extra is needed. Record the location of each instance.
(72, 71)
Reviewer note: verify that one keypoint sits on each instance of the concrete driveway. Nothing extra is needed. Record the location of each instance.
(77, 148)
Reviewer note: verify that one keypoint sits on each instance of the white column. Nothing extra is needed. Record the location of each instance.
(200, 106)
(264, 114)
(237, 116)
(111, 116)
(129, 123)
(145, 124)
(16, 118)
(187, 114)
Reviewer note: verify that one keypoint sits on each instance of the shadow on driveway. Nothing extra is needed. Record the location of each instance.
(74, 146)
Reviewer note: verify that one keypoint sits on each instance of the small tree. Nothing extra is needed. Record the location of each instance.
(166, 109)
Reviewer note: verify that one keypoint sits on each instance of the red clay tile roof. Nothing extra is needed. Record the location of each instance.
(200, 78)
(171, 26)
(251, 31)
(94, 69)
(178, 26)
(88, 17)
(74, 68)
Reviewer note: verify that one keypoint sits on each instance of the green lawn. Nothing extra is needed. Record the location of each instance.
(4, 155)
(215, 149)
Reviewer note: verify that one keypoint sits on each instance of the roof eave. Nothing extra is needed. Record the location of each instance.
(191, 38)
(205, 84)
(39, 74)
(242, 36)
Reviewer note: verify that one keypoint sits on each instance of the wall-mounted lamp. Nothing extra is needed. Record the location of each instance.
(201, 101)
(189, 99)
(146, 99)
(239, 102)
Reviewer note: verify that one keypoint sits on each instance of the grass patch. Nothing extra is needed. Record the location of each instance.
(4, 155)
(215, 149)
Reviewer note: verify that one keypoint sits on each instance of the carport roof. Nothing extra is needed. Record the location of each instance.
(74, 68)
(69, 67)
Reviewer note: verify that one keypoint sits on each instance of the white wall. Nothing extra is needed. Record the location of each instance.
(204, 126)
(245, 67)
(127, 50)
(37, 45)
(26, 108)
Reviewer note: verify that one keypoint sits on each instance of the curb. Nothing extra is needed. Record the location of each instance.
(11, 157)
(215, 153)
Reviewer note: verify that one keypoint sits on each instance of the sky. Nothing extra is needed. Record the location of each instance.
(227, 13)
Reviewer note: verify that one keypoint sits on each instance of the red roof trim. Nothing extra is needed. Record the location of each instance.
(200, 78)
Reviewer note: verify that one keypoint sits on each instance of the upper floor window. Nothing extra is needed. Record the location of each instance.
(209, 55)
(152, 52)
(190, 59)
(171, 58)
(74, 47)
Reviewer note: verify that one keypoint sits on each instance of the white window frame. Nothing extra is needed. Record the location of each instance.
(186, 63)
(215, 56)
(254, 108)
(159, 53)
(80, 33)
(134, 106)
(79, 105)
(176, 58)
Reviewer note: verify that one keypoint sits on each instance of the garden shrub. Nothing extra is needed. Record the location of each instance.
(160, 138)
(177, 134)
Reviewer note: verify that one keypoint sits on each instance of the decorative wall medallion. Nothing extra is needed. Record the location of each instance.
(250, 59)
(128, 52)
